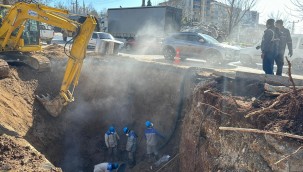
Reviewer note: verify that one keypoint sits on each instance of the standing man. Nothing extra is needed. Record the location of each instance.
(131, 146)
(269, 47)
(151, 135)
(285, 38)
(105, 167)
(111, 141)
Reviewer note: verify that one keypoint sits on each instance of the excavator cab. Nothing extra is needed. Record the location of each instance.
(22, 40)
(31, 33)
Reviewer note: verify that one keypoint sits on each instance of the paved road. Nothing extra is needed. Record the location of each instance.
(230, 67)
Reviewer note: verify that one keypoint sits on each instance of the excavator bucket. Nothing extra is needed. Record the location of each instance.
(53, 107)
(4, 69)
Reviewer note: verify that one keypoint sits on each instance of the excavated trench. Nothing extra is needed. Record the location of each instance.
(113, 91)
(186, 105)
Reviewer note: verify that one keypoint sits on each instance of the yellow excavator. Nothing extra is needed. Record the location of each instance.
(18, 34)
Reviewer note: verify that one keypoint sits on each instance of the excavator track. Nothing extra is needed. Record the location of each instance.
(37, 62)
(4, 69)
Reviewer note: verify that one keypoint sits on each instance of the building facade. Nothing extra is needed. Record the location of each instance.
(211, 12)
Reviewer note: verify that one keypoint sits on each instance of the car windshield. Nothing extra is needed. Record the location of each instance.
(105, 36)
(209, 39)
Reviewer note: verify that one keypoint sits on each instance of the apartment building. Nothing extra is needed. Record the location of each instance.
(211, 12)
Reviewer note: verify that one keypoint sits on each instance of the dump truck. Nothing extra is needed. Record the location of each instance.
(156, 20)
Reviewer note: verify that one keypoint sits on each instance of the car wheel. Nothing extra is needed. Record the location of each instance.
(169, 53)
(297, 64)
(65, 38)
(214, 57)
(49, 41)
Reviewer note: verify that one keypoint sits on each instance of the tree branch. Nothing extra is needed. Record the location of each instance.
(249, 130)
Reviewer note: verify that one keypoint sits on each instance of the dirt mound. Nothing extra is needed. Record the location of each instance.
(17, 155)
(16, 103)
(54, 52)
(205, 148)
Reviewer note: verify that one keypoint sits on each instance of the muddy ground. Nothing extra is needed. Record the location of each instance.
(186, 105)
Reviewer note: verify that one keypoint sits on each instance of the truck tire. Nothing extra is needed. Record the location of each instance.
(49, 41)
(169, 53)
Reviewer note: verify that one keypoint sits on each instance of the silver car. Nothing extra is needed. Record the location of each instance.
(192, 44)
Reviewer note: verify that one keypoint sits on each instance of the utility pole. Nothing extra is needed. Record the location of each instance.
(73, 7)
(83, 7)
(143, 3)
(76, 6)
(293, 26)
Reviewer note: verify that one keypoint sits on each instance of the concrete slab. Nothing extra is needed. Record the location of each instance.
(270, 79)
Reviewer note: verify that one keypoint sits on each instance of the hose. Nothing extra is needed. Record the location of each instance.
(180, 104)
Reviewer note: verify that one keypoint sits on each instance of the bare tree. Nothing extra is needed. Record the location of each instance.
(181, 4)
(297, 10)
(298, 6)
(236, 10)
(61, 5)
(280, 16)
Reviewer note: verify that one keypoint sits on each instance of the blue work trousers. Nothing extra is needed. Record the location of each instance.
(268, 63)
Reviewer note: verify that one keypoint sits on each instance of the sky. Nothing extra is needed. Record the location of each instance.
(267, 7)
(264, 7)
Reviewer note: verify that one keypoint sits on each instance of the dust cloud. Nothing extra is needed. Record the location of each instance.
(120, 92)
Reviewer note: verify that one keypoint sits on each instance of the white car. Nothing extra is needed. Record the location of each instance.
(46, 33)
(251, 56)
(104, 36)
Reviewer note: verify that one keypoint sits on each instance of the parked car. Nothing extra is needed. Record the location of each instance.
(192, 44)
(251, 56)
(46, 33)
(105, 37)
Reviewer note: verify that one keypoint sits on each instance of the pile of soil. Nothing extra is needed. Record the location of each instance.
(54, 52)
(16, 103)
(17, 155)
(206, 148)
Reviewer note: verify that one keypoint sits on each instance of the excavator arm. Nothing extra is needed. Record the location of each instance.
(73, 69)
(19, 13)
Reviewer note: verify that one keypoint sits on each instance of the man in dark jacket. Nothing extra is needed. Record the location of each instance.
(269, 47)
(285, 38)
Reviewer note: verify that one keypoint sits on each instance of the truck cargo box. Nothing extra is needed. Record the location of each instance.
(157, 20)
